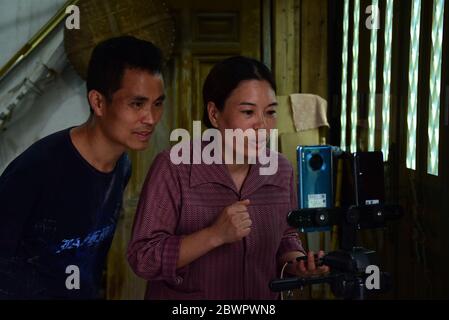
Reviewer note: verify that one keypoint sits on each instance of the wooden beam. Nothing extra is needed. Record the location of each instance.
(313, 59)
(286, 43)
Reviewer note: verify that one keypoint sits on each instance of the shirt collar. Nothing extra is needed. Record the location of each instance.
(219, 174)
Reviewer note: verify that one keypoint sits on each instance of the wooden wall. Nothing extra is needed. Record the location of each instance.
(300, 42)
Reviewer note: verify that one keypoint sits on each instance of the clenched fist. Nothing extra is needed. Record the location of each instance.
(234, 223)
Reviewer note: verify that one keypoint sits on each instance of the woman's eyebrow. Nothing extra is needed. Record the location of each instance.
(244, 103)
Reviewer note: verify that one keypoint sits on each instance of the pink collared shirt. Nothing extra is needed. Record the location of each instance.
(178, 200)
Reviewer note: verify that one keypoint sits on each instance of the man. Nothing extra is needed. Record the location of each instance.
(61, 198)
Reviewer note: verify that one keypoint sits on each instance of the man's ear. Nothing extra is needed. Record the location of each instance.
(213, 113)
(97, 102)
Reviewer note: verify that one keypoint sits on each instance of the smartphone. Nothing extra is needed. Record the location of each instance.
(315, 188)
(368, 173)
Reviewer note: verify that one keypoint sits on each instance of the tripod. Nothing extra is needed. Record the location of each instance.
(348, 276)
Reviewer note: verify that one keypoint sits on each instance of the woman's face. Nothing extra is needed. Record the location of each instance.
(252, 105)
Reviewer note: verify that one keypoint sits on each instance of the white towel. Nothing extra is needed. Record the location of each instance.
(309, 111)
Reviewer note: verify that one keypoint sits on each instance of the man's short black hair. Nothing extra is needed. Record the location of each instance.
(111, 57)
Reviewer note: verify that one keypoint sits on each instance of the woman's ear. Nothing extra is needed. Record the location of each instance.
(97, 102)
(213, 113)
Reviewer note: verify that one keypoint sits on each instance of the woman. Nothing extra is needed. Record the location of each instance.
(219, 231)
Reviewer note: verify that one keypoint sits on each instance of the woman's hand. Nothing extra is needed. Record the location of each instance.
(309, 268)
(234, 223)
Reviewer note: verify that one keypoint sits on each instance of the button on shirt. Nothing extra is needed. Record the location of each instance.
(178, 200)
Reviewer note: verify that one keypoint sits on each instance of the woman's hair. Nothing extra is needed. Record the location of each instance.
(226, 75)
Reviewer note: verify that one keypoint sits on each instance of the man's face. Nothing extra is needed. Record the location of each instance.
(131, 117)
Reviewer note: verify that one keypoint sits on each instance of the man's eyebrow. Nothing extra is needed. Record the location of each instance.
(161, 98)
(143, 98)
(273, 104)
(139, 98)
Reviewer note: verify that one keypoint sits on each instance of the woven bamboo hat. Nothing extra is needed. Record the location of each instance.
(103, 19)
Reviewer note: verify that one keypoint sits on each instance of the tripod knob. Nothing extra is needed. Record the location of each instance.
(321, 218)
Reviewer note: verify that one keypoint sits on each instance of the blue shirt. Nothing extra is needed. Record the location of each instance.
(57, 219)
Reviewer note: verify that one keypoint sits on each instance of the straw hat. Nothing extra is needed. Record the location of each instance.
(102, 19)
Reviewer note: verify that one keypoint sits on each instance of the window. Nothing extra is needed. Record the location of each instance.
(387, 79)
(435, 87)
(344, 75)
(372, 81)
(413, 84)
(355, 79)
